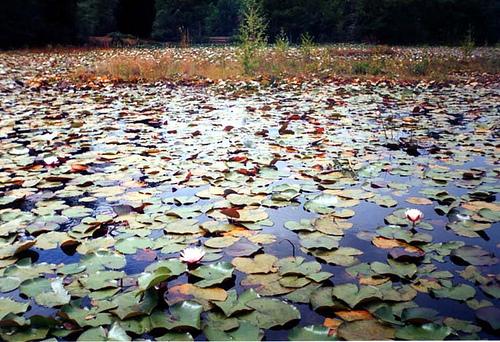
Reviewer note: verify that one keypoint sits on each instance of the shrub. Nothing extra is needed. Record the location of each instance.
(420, 68)
(369, 67)
(252, 35)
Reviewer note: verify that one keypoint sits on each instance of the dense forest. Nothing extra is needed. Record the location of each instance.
(41, 22)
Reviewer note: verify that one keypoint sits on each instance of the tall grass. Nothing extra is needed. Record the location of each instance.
(283, 61)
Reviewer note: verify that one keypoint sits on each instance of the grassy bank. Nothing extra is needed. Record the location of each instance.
(302, 62)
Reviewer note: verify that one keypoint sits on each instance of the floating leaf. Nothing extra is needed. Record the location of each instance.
(490, 315)
(213, 274)
(352, 295)
(344, 256)
(221, 242)
(56, 297)
(180, 293)
(365, 330)
(261, 263)
(403, 270)
(429, 331)
(319, 240)
(474, 255)
(270, 313)
(150, 280)
(9, 306)
(234, 304)
(312, 333)
(459, 292)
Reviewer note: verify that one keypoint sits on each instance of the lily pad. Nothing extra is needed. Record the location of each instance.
(213, 274)
(236, 304)
(490, 315)
(261, 263)
(474, 255)
(269, 313)
(352, 295)
(459, 292)
(428, 331)
(312, 333)
(365, 331)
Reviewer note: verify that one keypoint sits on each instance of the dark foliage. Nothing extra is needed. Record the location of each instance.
(38, 23)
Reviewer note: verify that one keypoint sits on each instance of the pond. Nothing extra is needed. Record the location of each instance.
(297, 194)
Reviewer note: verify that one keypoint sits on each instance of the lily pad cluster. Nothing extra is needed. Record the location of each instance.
(296, 194)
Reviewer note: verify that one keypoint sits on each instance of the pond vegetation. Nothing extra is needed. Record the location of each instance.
(304, 208)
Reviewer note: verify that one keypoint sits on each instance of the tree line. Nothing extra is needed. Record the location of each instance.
(42, 22)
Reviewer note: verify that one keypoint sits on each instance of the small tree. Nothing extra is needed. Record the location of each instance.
(468, 44)
(282, 43)
(306, 45)
(252, 34)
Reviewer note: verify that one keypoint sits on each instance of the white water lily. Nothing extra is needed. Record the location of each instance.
(52, 160)
(192, 255)
(414, 215)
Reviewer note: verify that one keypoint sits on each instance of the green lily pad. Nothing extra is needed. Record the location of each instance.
(428, 331)
(184, 315)
(474, 255)
(490, 315)
(234, 304)
(132, 244)
(9, 306)
(102, 280)
(322, 298)
(319, 240)
(213, 274)
(297, 266)
(133, 304)
(266, 284)
(491, 289)
(244, 247)
(34, 287)
(77, 212)
(302, 225)
(403, 270)
(149, 280)
(312, 333)
(26, 334)
(459, 292)
(352, 295)
(303, 295)
(461, 325)
(269, 313)
(175, 266)
(7, 251)
(8, 284)
(294, 281)
(172, 336)
(220, 242)
(102, 259)
(343, 256)
(188, 226)
(418, 315)
(384, 201)
(71, 269)
(251, 215)
(56, 297)
(331, 226)
(245, 332)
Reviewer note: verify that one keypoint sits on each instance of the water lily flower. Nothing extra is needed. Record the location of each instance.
(52, 160)
(414, 215)
(192, 255)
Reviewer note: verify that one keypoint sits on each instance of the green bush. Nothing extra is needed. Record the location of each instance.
(252, 35)
(420, 68)
(367, 68)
